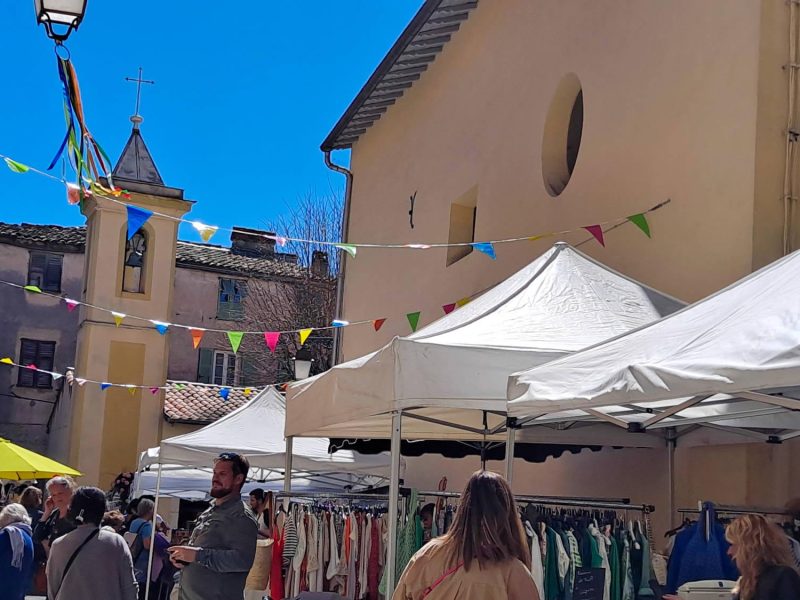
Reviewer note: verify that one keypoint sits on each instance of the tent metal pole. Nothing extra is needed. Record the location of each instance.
(671, 443)
(287, 472)
(511, 434)
(394, 493)
(153, 535)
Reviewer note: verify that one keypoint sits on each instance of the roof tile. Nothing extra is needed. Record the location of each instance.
(200, 404)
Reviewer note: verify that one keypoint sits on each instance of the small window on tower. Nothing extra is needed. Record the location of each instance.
(133, 274)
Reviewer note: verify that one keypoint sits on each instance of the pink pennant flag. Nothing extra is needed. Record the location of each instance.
(31, 366)
(448, 308)
(597, 232)
(71, 304)
(154, 390)
(272, 337)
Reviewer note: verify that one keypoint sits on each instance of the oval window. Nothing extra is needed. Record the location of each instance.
(562, 135)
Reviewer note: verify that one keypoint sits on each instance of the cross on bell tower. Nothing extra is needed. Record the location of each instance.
(136, 119)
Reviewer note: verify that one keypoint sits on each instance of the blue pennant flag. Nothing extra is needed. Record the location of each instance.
(224, 392)
(105, 386)
(487, 248)
(162, 328)
(136, 218)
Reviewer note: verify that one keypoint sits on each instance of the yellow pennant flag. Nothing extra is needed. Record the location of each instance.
(7, 361)
(206, 231)
(304, 333)
(247, 392)
(462, 302)
(131, 390)
(118, 317)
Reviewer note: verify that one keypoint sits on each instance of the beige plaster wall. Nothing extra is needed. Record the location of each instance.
(682, 100)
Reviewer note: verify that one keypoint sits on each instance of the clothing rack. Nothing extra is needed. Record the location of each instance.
(332, 496)
(735, 510)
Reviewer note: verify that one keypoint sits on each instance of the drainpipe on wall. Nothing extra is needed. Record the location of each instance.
(337, 337)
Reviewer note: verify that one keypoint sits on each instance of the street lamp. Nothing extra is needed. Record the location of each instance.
(302, 364)
(59, 13)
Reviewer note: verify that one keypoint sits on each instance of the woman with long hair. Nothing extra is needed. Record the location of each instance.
(763, 556)
(482, 556)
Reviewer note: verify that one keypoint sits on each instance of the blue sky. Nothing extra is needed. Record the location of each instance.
(241, 104)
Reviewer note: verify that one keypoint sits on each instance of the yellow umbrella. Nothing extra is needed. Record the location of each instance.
(17, 463)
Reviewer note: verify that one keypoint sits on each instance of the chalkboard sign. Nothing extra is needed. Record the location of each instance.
(589, 584)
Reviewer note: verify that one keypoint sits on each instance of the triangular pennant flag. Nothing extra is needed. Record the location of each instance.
(378, 323)
(339, 323)
(197, 336)
(272, 337)
(413, 320)
(247, 392)
(533, 238)
(103, 386)
(235, 338)
(597, 232)
(136, 218)
(118, 317)
(73, 194)
(487, 248)
(206, 231)
(71, 304)
(180, 386)
(281, 241)
(131, 390)
(641, 222)
(154, 390)
(17, 167)
(32, 288)
(224, 393)
(463, 302)
(6, 361)
(80, 380)
(32, 367)
(448, 308)
(161, 327)
(56, 376)
(349, 248)
(304, 333)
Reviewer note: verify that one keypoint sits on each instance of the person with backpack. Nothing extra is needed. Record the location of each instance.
(139, 537)
(89, 562)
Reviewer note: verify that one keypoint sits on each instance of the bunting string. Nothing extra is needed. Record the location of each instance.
(137, 216)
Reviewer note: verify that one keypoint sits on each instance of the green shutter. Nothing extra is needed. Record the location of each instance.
(205, 366)
(249, 372)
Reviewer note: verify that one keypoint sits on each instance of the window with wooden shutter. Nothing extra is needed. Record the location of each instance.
(230, 305)
(44, 271)
(205, 365)
(40, 354)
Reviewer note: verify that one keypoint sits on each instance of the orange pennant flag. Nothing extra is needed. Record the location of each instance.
(197, 336)
(378, 323)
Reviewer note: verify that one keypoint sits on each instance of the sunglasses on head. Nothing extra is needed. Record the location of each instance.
(229, 456)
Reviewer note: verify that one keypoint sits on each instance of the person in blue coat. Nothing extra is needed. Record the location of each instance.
(16, 552)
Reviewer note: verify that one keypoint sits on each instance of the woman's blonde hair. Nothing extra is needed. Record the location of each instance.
(758, 545)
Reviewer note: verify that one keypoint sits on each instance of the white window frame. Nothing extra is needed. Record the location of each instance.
(223, 379)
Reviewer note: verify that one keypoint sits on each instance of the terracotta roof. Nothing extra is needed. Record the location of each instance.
(191, 255)
(425, 37)
(200, 404)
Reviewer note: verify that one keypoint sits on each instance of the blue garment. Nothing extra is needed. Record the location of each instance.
(145, 530)
(14, 582)
(696, 559)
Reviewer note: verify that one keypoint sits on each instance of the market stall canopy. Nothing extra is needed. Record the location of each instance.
(255, 430)
(731, 361)
(450, 377)
(20, 464)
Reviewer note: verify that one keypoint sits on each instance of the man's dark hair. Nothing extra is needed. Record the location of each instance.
(427, 510)
(258, 494)
(239, 464)
(88, 506)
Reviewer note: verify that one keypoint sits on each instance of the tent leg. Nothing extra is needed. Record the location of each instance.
(153, 535)
(394, 496)
(287, 472)
(671, 443)
(510, 444)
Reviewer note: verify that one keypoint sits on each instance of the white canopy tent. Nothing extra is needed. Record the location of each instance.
(451, 374)
(728, 363)
(449, 379)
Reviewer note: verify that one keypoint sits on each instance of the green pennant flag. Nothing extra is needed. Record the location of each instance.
(641, 222)
(16, 166)
(349, 248)
(235, 338)
(32, 288)
(413, 320)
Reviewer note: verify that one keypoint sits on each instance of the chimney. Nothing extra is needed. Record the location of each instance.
(319, 264)
(252, 243)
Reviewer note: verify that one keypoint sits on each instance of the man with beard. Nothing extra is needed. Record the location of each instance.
(220, 552)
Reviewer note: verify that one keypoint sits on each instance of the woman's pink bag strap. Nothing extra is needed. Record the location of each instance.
(442, 577)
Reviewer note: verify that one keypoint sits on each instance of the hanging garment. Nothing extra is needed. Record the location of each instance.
(562, 560)
(300, 554)
(600, 541)
(290, 540)
(644, 586)
(569, 581)
(626, 576)
(333, 550)
(352, 558)
(552, 588)
(276, 569)
(537, 567)
(373, 568)
(406, 542)
(616, 572)
(312, 562)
